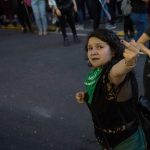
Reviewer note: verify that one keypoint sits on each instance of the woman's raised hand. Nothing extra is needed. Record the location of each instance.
(131, 52)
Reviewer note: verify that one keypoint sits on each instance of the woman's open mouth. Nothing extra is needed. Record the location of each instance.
(95, 59)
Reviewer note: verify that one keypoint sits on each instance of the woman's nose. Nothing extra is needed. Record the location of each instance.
(94, 51)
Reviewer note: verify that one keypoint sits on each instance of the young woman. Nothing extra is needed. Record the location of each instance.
(112, 92)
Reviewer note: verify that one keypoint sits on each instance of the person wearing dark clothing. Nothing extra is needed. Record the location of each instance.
(23, 16)
(112, 10)
(138, 16)
(128, 24)
(146, 76)
(1, 15)
(9, 15)
(95, 11)
(65, 11)
(138, 6)
(81, 13)
(128, 27)
(81, 4)
(119, 7)
(148, 9)
(112, 92)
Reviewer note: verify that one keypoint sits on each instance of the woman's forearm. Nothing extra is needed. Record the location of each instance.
(145, 49)
(119, 71)
(144, 38)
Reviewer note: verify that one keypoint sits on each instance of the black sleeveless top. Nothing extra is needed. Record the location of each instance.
(109, 114)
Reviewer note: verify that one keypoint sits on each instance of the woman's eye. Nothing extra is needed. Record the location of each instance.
(99, 46)
(90, 48)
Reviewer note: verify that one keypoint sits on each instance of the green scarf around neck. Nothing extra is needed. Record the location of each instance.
(91, 81)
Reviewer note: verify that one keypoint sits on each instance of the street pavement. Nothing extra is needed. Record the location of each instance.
(38, 81)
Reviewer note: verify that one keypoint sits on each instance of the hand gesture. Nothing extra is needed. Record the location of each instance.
(131, 52)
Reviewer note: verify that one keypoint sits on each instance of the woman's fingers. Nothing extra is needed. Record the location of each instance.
(131, 52)
(136, 45)
(80, 97)
(132, 46)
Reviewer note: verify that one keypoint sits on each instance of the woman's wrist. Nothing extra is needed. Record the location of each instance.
(130, 63)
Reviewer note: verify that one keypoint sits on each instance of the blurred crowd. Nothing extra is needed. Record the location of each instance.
(77, 14)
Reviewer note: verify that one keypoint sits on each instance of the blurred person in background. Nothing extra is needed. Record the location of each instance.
(23, 15)
(119, 7)
(39, 11)
(80, 14)
(94, 7)
(65, 10)
(128, 24)
(139, 16)
(145, 37)
(148, 9)
(112, 10)
(8, 12)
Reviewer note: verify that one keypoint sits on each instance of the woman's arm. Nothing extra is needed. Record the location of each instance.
(118, 72)
(142, 40)
(75, 5)
(145, 49)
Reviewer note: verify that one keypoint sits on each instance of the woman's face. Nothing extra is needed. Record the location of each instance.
(99, 52)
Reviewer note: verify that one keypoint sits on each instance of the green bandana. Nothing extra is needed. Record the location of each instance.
(91, 81)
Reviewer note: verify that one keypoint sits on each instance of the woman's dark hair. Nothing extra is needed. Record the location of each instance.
(112, 40)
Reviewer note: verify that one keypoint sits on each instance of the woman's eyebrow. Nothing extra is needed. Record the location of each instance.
(97, 43)
(100, 43)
